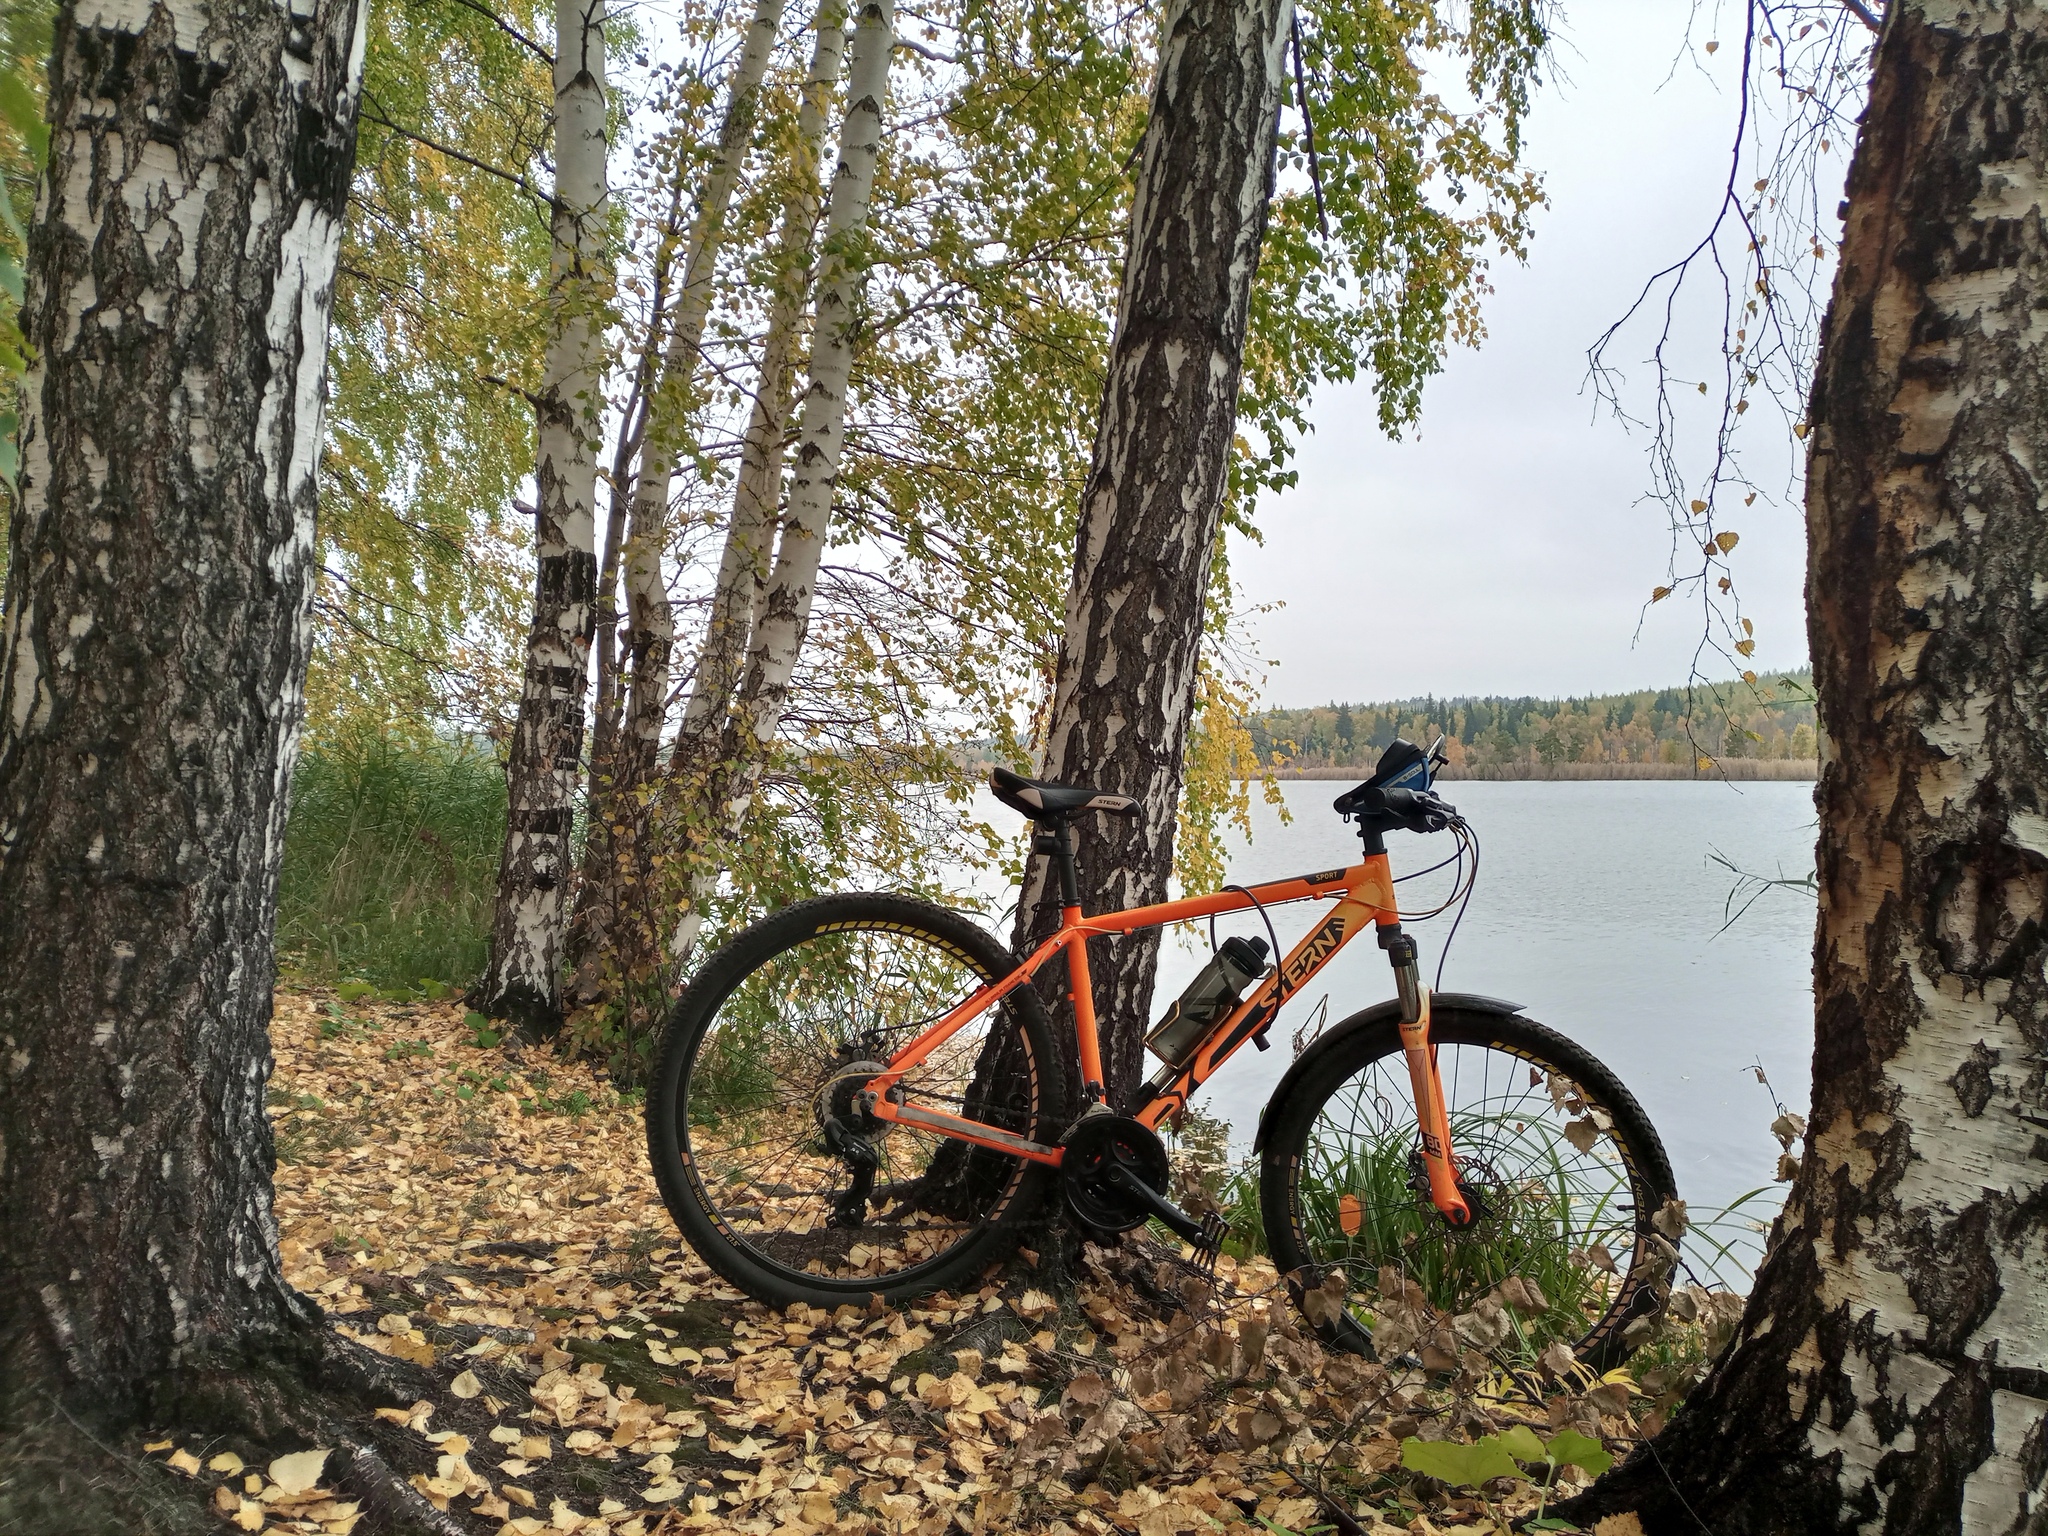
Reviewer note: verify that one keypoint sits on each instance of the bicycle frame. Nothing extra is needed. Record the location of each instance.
(1364, 893)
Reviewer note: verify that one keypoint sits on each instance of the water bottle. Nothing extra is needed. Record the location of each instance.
(1212, 994)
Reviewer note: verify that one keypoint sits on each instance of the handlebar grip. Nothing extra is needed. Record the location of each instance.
(1418, 810)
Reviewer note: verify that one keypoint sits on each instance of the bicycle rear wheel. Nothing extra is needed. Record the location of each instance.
(764, 1156)
(1558, 1159)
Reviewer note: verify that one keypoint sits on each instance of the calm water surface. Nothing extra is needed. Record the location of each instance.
(1598, 909)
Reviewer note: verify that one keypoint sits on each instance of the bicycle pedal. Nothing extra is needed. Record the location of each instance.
(1209, 1246)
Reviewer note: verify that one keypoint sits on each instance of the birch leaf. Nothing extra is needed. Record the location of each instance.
(299, 1471)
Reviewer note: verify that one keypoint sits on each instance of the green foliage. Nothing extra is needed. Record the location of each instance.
(24, 149)
(1465, 1465)
(1771, 718)
(1361, 1211)
(390, 861)
(1496, 1456)
(437, 329)
(1418, 195)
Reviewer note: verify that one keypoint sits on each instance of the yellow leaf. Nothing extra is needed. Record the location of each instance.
(299, 1471)
(1801, 429)
(1748, 628)
(226, 1461)
(1698, 507)
(1712, 46)
(466, 1385)
(1745, 647)
(185, 1462)
(1749, 677)
(1727, 541)
(1658, 594)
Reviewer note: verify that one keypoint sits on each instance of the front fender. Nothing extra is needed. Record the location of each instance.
(1388, 1012)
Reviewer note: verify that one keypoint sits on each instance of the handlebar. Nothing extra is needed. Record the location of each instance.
(1412, 810)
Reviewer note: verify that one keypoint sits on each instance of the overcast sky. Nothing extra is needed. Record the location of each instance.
(1504, 547)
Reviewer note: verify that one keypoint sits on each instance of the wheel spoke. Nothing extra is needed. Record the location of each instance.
(1541, 1164)
(775, 1130)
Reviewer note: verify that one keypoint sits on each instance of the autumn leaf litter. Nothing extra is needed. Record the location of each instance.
(491, 1219)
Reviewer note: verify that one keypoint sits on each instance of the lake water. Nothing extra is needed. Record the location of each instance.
(1599, 910)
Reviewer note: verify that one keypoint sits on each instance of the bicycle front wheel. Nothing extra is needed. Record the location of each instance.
(765, 1157)
(1561, 1166)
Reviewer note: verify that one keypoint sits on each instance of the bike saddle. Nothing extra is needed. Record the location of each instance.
(1043, 800)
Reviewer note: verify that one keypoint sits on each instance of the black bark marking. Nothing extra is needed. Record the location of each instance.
(1972, 1081)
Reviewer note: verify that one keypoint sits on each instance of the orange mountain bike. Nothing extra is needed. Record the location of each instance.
(860, 1094)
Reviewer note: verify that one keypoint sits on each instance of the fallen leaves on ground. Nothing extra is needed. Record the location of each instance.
(490, 1217)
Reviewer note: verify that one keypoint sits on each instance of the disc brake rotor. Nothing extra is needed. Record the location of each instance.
(1476, 1180)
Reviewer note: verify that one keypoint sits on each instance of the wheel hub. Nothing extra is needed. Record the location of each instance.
(1476, 1179)
(840, 1100)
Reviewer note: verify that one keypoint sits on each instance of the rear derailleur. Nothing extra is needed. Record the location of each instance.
(852, 1134)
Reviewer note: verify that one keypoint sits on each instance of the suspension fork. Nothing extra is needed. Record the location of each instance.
(1433, 1121)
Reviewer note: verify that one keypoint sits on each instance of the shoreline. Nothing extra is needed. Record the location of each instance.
(1747, 770)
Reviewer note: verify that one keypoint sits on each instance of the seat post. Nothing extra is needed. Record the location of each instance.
(1053, 840)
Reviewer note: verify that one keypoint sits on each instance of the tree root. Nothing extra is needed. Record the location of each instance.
(67, 1472)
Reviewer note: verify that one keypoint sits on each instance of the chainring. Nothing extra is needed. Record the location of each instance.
(1094, 1145)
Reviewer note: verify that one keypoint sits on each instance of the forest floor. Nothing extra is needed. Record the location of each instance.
(491, 1218)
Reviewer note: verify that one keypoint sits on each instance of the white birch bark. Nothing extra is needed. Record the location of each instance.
(158, 622)
(546, 763)
(650, 620)
(743, 566)
(785, 605)
(1130, 653)
(1890, 1373)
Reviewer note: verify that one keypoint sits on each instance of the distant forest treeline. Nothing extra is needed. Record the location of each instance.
(1771, 719)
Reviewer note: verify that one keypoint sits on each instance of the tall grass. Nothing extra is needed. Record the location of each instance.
(390, 860)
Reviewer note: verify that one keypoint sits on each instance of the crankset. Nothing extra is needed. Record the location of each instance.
(1114, 1169)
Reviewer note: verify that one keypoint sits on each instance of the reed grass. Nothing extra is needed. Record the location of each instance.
(390, 861)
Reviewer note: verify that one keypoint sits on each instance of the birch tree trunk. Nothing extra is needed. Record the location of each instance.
(1891, 1372)
(714, 802)
(1125, 684)
(744, 563)
(157, 624)
(522, 981)
(603, 934)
